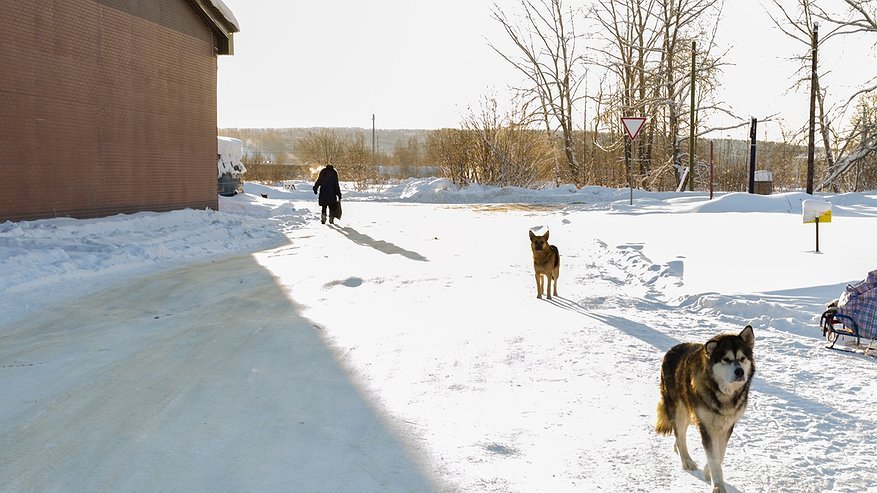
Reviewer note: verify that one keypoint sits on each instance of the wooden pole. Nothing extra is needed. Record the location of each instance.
(584, 133)
(752, 133)
(691, 125)
(811, 146)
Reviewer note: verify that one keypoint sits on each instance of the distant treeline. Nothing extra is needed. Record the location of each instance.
(279, 145)
(275, 154)
(503, 155)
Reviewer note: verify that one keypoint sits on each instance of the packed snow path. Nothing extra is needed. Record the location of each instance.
(200, 379)
(403, 349)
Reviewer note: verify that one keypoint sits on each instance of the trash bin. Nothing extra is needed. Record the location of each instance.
(763, 182)
(229, 185)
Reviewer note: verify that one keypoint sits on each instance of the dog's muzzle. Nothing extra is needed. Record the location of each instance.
(739, 374)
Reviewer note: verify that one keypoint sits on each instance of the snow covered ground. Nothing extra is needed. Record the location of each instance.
(403, 349)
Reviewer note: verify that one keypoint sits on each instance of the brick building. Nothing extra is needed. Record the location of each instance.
(109, 106)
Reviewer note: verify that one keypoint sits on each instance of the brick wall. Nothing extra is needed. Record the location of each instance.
(105, 107)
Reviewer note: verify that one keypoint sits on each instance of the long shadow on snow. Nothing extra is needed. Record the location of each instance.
(379, 245)
(642, 332)
(663, 343)
(202, 378)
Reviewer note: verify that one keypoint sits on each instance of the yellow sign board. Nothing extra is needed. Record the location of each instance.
(813, 210)
(824, 217)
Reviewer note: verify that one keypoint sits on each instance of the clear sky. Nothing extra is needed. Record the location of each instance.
(420, 64)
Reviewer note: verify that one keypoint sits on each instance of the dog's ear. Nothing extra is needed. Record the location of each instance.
(532, 235)
(545, 236)
(710, 346)
(748, 336)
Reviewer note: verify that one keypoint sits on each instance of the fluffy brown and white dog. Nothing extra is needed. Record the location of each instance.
(546, 263)
(708, 385)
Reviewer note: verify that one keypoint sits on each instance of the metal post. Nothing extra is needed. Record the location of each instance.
(817, 235)
(752, 134)
(629, 163)
(711, 170)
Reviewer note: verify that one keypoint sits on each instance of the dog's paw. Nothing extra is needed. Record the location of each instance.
(706, 473)
(689, 465)
(719, 488)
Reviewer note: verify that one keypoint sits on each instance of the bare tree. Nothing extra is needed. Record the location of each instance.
(860, 16)
(450, 149)
(801, 25)
(859, 149)
(859, 143)
(357, 158)
(648, 49)
(632, 35)
(507, 151)
(843, 149)
(321, 146)
(494, 147)
(545, 39)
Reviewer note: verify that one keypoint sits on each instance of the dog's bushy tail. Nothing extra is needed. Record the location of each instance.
(664, 426)
(667, 405)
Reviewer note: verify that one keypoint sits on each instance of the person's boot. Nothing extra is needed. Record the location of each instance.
(323, 218)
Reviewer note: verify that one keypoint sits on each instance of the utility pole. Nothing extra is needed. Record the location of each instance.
(374, 164)
(752, 135)
(811, 143)
(691, 125)
(584, 134)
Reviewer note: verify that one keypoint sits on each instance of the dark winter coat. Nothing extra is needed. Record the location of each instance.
(327, 183)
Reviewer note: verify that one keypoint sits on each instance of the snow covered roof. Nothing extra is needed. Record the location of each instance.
(223, 20)
(763, 175)
(226, 12)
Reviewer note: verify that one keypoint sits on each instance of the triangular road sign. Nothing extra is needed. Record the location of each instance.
(632, 125)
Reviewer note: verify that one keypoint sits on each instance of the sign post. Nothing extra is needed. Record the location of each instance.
(816, 211)
(632, 125)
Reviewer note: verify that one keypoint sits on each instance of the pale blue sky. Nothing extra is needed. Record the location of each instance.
(419, 64)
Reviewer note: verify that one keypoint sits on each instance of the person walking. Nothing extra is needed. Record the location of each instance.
(329, 191)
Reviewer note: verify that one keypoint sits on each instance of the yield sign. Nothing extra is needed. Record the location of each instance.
(633, 124)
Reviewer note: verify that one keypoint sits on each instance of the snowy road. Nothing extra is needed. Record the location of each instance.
(404, 350)
(204, 378)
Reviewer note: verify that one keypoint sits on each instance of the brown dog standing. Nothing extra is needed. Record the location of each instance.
(546, 262)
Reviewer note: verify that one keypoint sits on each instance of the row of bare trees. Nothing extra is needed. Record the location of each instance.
(493, 148)
(301, 157)
(654, 58)
(642, 57)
